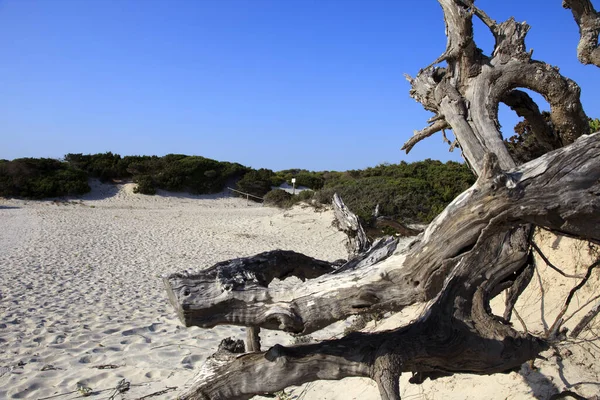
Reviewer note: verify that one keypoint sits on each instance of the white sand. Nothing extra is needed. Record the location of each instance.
(80, 289)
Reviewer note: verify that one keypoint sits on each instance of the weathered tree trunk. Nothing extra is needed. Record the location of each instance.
(358, 243)
(547, 191)
(478, 246)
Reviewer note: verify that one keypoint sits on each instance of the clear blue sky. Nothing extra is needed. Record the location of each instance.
(314, 84)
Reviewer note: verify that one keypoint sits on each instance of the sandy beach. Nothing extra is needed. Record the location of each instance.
(82, 303)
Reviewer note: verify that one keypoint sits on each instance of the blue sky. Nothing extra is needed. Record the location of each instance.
(314, 84)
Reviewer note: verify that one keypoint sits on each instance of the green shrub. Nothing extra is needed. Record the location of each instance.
(305, 195)
(37, 178)
(279, 198)
(414, 192)
(594, 125)
(104, 166)
(144, 185)
(313, 180)
(309, 179)
(256, 182)
(524, 146)
(173, 172)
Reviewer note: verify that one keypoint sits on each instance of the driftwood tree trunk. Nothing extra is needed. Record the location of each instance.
(478, 246)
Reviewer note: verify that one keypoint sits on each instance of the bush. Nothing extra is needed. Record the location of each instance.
(256, 182)
(279, 198)
(305, 195)
(313, 180)
(173, 172)
(144, 185)
(594, 125)
(414, 192)
(104, 166)
(310, 179)
(37, 178)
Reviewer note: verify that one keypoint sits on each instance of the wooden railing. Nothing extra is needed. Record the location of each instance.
(248, 195)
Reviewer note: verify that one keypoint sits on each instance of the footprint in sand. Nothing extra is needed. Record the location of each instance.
(85, 359)
(190, 361)
(58, 339)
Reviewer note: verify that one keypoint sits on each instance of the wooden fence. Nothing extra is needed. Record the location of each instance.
(248, 195)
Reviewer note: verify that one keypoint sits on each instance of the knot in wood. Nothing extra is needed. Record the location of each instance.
(498, 182)
(275, 352)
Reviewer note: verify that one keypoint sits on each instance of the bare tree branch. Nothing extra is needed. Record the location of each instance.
(548, 263)
(348, 222)
(517, 288)
(449, 338)
(437, 126)
(558, 322)
(521, 103)
(588, 20)
(585, 321)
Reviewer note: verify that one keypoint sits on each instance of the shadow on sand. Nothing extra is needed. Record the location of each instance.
(544, 388)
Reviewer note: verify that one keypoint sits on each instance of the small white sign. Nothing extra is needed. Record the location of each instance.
(293, 180)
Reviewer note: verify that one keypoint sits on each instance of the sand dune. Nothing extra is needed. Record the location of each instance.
(80, 286)
(82, 304)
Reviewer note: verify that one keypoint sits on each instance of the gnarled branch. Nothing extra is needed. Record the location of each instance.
(522, 104)
(547, 192)
(437, 126)
(588, 20)
(456, 335)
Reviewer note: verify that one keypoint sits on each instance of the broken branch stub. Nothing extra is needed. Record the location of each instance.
(348, 222)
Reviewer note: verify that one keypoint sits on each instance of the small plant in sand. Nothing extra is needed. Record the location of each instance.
(84, 390)
(282, 395)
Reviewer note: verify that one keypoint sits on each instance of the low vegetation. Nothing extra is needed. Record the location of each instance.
(38, 178)
(413, 192)
(173, 172)
(407, 192)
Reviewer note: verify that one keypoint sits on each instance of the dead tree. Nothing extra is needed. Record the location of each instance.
(476, 247)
